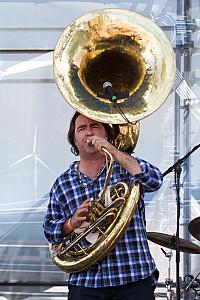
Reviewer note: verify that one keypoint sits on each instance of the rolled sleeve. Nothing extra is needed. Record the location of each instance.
(150, 177)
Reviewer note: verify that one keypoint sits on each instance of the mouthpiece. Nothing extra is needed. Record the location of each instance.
(89, 142)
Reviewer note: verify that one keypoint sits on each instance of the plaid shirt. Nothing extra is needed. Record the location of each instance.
(130, 260)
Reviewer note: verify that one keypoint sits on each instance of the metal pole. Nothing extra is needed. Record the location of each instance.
(177, 132)
(187, 141)
(183, 50)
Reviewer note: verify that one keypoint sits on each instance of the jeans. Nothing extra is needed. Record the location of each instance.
(140, 290)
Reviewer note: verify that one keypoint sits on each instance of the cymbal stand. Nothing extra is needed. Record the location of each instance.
(168, 280)
(177, 173)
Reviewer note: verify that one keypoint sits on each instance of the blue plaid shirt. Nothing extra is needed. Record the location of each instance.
(130, 260)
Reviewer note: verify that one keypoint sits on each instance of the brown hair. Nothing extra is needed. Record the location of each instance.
(71, 131)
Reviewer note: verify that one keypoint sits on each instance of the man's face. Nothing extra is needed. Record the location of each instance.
(85, 128)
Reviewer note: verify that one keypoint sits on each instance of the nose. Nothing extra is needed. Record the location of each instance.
(89, 132)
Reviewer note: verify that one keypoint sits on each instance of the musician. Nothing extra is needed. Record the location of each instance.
(126, 272)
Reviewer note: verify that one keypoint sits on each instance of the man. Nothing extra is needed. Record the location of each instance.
(126, 272)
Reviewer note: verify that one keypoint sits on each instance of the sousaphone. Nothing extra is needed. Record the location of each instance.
(132, 53)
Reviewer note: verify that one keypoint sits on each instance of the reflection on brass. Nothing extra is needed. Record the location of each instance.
(119, 46)
(134, 55)
(126, 136)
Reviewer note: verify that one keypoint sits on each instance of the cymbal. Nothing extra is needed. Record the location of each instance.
(194, 228)
(169, 241)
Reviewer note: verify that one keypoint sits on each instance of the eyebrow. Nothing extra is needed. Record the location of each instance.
(91, 124)
(95, 123)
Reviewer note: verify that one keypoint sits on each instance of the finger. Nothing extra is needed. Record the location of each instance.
(82, 211)
(81, 219)
(87, 200)
(76, 222)
(85, 203)
(84, 207)
(96, 140)
(98, 144)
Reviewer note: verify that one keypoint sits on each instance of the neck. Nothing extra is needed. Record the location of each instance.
(91, 167)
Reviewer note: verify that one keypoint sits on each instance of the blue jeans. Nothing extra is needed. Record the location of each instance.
(140, 290)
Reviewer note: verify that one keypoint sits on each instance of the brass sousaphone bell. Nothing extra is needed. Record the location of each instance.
(131, 52)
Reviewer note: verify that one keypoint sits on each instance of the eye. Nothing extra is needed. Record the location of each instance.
(95, 125)
(80, 129)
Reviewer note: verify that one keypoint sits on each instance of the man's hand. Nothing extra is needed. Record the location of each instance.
(128, 162)
(81, 214)
(78, 218)
(100, 143)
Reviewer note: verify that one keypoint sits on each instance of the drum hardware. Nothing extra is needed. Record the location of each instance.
(168, 280)
(169, 241)
(177, 172)
(194, 284)
(194, 228)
